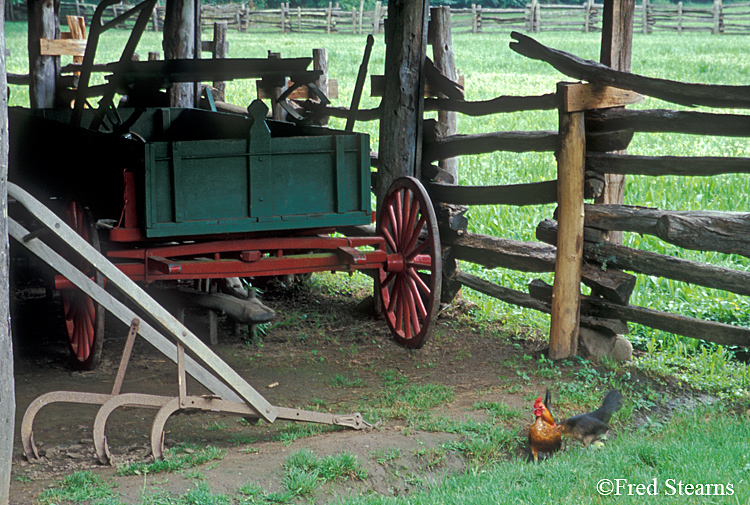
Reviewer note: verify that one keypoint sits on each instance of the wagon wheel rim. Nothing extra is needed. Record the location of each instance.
(84, 318)
(410, 280)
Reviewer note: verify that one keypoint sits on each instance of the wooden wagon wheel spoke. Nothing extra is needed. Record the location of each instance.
(84, 318)
(409, 281)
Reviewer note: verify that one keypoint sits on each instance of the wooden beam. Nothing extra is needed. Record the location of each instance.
(587, 96)
(403, 103)
(666, 165)
(7, 383)
(519, 142)
(671, 91)
(535, 193)
(726, 232)
(566, 291)
(696, 123)
(62, 47)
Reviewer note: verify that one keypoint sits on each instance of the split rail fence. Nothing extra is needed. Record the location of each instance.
(593, 124)
(534, 17)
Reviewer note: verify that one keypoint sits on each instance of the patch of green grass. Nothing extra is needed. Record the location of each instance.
(383, 457)
(80, 487)
(499, 410)
(292, 431)
(176, 459)
(341, 381)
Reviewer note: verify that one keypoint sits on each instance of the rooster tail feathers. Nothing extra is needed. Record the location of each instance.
(611, 404)
(548, 400)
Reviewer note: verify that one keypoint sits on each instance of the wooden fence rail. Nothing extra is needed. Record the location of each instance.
(535, 17)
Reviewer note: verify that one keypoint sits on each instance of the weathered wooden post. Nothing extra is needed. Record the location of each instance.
(717, 17)
(376, 18)
(566, 299)
(679, 18)
(44, 23)
(445, 62)
(616, 50)
(7, 386)
(220, 51)
(320, 62)
(644, 14)
(403, 98)
(179, 42)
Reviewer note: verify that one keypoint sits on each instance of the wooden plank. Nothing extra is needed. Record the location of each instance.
(564, 323)
(587, 96)
(535, 193)
(455, 145)
(60, 47)
(671, 91)
(7, 381)
(666, 165)
(179, 43)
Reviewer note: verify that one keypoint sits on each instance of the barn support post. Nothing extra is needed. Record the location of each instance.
(566, 292)
(616, 50)
(403, 98)
(7, 386)
(44, 23)
(179, 42)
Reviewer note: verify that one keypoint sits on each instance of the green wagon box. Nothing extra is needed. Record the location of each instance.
(200, 172)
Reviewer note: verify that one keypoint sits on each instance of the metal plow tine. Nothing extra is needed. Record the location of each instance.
(27, 425)
(115, 402)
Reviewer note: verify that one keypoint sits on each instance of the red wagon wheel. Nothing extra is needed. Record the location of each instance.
(84, 318)
(411, 278)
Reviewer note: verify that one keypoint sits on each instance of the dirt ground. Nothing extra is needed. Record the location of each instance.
(321, 335)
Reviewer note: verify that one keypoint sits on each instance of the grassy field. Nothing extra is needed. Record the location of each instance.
(491, 69)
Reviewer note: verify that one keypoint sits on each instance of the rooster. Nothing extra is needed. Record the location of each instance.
(587, 428)
(544, 434)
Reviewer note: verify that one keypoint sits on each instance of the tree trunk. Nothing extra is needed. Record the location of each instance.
(7, 387)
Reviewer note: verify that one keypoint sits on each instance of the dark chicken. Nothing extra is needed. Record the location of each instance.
(587, 428)
(544, 434)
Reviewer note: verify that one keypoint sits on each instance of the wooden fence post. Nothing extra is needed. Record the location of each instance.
(679, 18)
(361, 14)
(329, 15)
(154, 17)
(536, 11)
(299, 19)
(445, 61)
(474, 18)
(717, 17)
(282, 11)
(376, 18)
(644, 28)
(587, 16)
(179, 42)
(566, 299)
